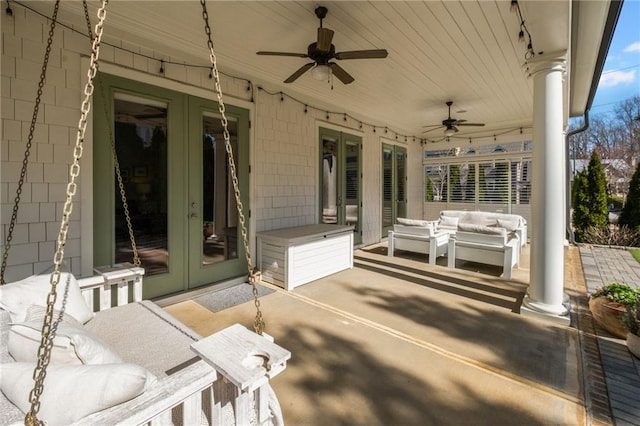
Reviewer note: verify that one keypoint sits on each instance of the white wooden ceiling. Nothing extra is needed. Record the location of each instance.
(464, 51)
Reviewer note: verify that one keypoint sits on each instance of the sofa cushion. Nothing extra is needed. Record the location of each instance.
(478, 218)
(72, 392)
(73, 344)
(18, 296)
(488, 230)
(414, 222)
(508, 224)
(448, 221)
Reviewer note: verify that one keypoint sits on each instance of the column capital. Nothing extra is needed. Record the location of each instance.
(548, 62)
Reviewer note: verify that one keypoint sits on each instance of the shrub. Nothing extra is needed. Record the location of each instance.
(611, 236)
(630, 214)
(597, 192)
(621, 293)
(580, 205)
(631, 318)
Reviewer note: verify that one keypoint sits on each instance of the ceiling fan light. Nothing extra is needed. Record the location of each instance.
(449, 131)
(321, 72)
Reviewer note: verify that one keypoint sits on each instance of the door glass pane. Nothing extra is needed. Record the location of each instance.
(219, 211)
(329, 180)
(401, 183)
(352, 183)
(141, 146)
(387, 186)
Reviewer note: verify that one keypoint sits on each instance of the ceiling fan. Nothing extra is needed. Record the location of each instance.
(322, 52)
(451, 124)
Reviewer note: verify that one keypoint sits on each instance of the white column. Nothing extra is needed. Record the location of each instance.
(546, 288)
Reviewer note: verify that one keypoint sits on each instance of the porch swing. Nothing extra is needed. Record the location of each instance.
(119, 385)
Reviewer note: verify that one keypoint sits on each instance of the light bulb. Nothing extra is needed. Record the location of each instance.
(321, 72)
(449, 131)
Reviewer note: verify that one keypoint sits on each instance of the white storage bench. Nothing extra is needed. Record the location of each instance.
(291, 257)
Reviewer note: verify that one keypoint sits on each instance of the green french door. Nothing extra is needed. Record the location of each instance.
(341, 180)
(179, 198)
(394, 185)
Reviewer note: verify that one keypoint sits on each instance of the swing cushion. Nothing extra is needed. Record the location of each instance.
(18, 296)
(73, 344)
(97, 386)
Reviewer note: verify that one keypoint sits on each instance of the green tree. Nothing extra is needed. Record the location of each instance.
(630, 215)
(590, 199)
(580, 204)
(597, 192)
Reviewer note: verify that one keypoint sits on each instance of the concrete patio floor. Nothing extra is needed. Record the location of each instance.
(395, 341)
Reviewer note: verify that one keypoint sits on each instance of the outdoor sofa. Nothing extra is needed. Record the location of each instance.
(419, 236)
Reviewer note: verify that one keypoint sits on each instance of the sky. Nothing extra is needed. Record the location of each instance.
(620, 78)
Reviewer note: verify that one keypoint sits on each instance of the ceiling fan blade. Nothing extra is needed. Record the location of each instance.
(470, 124)
(434, 128)
(325, 36)
(293, 77)
(298, 55)
(433, 125)
(362, 54)
(339, 72)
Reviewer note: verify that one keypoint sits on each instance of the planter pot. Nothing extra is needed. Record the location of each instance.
(633, 343)
(608, 315)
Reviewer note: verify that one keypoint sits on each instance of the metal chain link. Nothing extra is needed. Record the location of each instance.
(46, 342)
(253, 272)
(27, 152)
(114, 153)
(116, 165)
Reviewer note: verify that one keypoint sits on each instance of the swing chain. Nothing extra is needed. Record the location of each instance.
(46, 342)
(254, 273)
(114, 153)
(27, 152)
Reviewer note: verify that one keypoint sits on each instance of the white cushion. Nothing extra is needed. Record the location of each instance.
(508, 224)
(72, 392)
(448, 221)
(18, 296)
(73, 344)
(414, 222)
(489, 230)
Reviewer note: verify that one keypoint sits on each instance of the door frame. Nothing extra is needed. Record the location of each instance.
(103, 223)
(343, 139)
(198, 274)
(395, 149)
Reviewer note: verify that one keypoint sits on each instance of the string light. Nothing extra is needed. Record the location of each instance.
(530, 53)
(305, 108)
(8, 10)
(250, 85)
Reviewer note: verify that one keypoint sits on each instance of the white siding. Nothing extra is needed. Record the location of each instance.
(284, 143)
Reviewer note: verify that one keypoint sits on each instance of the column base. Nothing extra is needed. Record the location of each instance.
(556, 314)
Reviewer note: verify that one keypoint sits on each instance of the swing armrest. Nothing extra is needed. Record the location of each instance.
(98, 287)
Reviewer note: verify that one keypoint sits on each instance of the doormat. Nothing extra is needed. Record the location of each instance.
(216, 301)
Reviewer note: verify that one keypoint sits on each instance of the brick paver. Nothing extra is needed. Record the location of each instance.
(601, 266)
